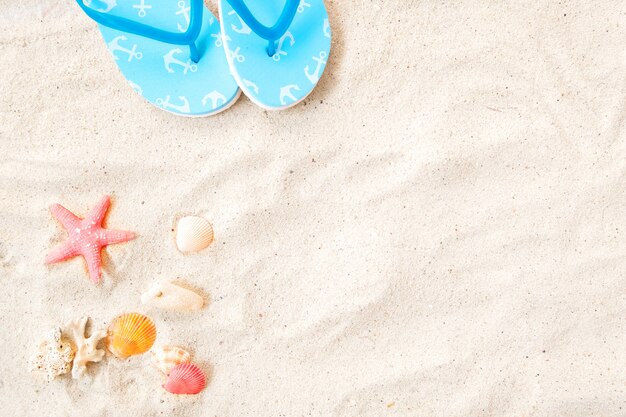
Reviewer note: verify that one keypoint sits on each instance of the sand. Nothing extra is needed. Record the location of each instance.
(438, 230)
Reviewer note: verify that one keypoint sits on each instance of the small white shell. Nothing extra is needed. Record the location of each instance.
(193, 234)
(168, 296)
(53, 356)
(167, 357)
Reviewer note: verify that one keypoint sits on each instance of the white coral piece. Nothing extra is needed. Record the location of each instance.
(85, 347)
(53, 356)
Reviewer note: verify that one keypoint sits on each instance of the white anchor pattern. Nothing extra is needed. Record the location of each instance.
(281, 44)
(183, 10)
(114, 46)
(216, 98)
(142, 8)
(314, 77)
(303, 4)
(182, 108)
(169, 61)
(287, 77)
(241, 28)
(164, 74)
(136, 87)
(104, 6)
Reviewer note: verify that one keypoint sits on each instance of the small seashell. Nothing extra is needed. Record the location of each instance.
(193, 234)
(170, 296)
(85, 347)
(53, 356)
(185, 378)
(167, 357)
(130, 334)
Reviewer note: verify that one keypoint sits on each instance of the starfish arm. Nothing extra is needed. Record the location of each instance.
(64, 216)
(96, 215)
(62, 252)
(109, 237)
(94, 262)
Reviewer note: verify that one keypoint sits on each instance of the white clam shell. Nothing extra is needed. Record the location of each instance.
(166, 358)
(169, 296)
(193, 234)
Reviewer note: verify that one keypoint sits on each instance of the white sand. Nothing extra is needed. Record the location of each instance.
(439, 230)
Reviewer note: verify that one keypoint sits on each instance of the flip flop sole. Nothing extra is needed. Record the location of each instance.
(286, 78)
(163, 73)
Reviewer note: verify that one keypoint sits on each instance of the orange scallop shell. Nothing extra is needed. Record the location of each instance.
(185, 378)
(130, 334)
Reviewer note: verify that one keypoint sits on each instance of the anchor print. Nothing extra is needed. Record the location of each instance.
(251, 85)
(215, 97)
(114, 46)
(302, 5)
(136, 87)
(244, 29)
(183, 10)
(141, 8)
(326, 28)
(321, 61)
(218, 39)
(236, 56)
(103, 6)
(279, 48)
(165, 103)
(169, 60)
(286, 92)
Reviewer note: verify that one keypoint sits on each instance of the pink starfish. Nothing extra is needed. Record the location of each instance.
(86, 237)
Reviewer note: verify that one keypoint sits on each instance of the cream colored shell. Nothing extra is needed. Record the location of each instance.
(169, 296)
(53, 356)
(167, 357)
(193, 234)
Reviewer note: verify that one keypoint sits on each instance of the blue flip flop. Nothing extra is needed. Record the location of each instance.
(277, 66)
(169, 51)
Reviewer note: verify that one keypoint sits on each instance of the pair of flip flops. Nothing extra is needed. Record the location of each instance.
(181, 58)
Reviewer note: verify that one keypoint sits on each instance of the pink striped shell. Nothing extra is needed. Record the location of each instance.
(185, 378)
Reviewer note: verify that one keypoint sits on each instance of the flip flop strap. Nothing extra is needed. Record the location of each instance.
(273, 33)
(126, 25)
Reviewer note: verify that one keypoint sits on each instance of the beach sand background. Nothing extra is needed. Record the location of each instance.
(438, 230)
